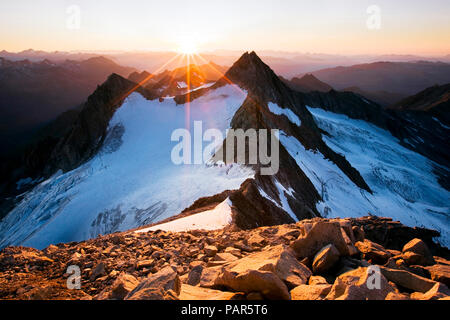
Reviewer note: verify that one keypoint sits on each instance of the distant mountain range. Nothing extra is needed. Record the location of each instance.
(286, 64)
(386, 82)
(33, 93)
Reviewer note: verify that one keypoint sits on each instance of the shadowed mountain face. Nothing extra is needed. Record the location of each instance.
(340, 154)
(404, 78)
(34, 93)
(434, 101)
(383, 98)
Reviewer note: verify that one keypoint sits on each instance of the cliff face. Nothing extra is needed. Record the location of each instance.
(311, 260)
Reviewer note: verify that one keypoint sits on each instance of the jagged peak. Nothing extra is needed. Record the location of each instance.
(252, 74)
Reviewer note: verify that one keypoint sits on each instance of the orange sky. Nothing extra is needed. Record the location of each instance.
(326, 26)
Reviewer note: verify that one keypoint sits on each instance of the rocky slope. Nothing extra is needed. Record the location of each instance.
(316, 259)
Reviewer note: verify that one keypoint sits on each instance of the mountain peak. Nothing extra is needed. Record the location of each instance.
(252, 74)
(248, 60)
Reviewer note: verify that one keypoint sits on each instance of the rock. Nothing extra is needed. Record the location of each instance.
(346, 225)
(194, 275)
(440, 260)
(256, 240)
(265, 282)
(397, 296)
(373, 251)
(268, 272)
(440, 272)
(224, 256)
(412, 258)
(318, 235)
(325, 259)
(123, 285)
(39, 293)
(310, 292)
(347, 264)
(407, 279)
(234, 251)
(197, 293)
(317, 280)
(358, 232)
(210, 251)
(163, 285)
(145, 264)
(254, 296)
(154, 294)
(438, 291)
(360, 284)
(99, 271)
(209, 276)
(417, 252)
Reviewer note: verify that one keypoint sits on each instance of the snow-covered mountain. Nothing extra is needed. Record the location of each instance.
(340, 155)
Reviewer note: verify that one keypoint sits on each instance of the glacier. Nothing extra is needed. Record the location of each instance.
(403, 183)
(132, 181)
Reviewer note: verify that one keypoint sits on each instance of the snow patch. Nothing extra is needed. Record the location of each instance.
(215, 219)
(284, 205)
(275, 109)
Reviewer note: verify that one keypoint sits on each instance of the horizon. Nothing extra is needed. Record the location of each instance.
(344, 28)
(225, 52)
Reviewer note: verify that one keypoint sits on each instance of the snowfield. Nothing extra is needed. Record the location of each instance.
(403, 184)
(215, 219)
(132, 181)
(275, 109)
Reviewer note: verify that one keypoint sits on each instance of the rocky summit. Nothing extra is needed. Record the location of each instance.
(367, 258)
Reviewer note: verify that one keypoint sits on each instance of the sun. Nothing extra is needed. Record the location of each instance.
(188, 44)
(188, 47)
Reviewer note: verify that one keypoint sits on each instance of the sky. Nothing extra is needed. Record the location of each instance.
(320, 26)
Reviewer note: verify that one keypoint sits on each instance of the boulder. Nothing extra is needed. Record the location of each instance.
(162, 285)
(438, 291)
(194, 275)
(373, 251)
(210, 251)
(360, 284)
(417, 252)
(440, 272)
(198, 293)
(209, 276)
(319, 234)
(310, 292)
(325, 259)
(269, 272)
(123, 285)
(408, 279)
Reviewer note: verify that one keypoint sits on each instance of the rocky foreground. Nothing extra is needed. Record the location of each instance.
(316, 259)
